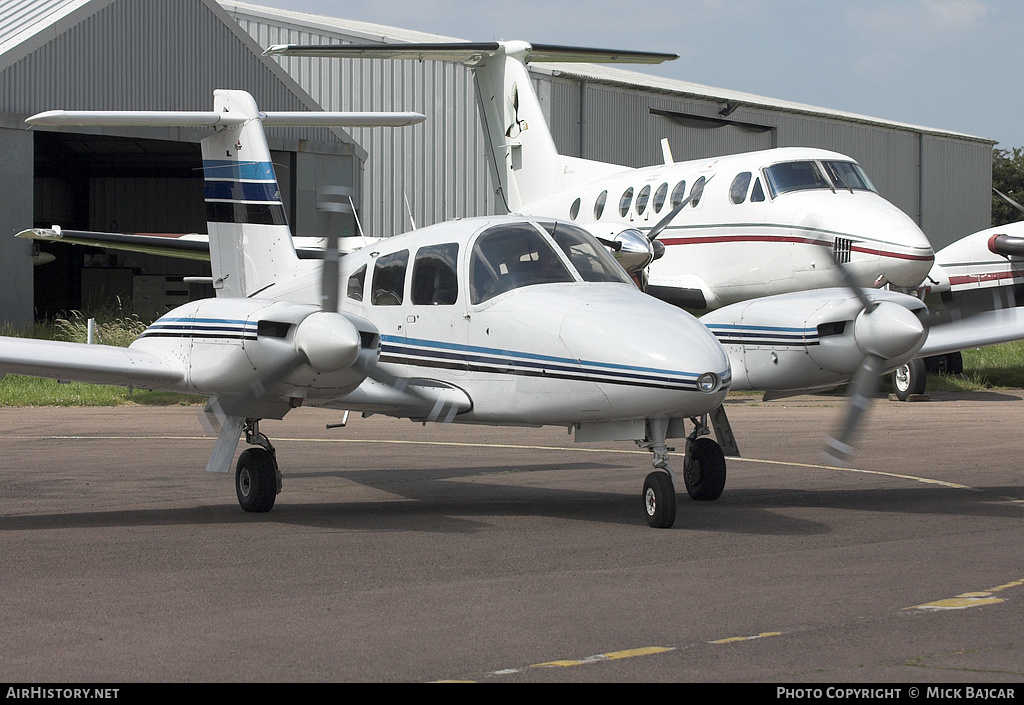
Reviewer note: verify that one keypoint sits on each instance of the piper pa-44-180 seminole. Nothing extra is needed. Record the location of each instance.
(504, 320)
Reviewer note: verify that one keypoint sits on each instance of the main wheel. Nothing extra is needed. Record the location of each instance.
(659, 500)
(911, 378)
(256, 480)
(704, 470)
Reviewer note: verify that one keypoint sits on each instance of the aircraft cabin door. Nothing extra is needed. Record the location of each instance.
(435, 322)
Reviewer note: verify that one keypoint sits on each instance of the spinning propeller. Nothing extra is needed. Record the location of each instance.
(883, 331)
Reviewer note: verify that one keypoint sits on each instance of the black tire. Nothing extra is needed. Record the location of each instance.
(704, 470)
(256, 480)
(659, 500)
(955, 363)
(911, 378)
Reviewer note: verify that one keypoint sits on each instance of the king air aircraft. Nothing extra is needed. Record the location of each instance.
(803, 266)
(506, 320)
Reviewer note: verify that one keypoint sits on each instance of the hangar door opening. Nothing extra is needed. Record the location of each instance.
(122, 184)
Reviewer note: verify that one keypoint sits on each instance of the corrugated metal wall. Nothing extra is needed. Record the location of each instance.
(439, 165)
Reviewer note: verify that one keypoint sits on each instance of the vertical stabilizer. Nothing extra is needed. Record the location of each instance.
(526, 162)
(250, 242)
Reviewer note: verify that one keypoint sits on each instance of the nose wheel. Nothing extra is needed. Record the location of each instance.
(660, 500)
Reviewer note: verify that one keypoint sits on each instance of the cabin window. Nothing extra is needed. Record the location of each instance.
(659, 198)
(698, 188)
(574, 209)
(599, 205)
(590, 258)
(678, 194)
(510, 256)
(354, 290)
(434, 282)
(849, 176)
(795, 176)
(389, 279)
(738, 189)
(757, 193)
(642, 198)
(626, 201)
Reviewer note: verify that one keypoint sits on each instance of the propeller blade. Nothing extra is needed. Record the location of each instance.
(695, 192)
(1009, 200)
(332, 203)
(851, 284)
(839, 447)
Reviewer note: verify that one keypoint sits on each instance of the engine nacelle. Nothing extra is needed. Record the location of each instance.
(815, 339)
(269, 354)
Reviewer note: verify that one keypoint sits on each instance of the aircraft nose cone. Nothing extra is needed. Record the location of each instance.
(889, 331)
(656, 360)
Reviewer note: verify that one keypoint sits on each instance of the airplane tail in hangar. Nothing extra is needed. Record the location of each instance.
(250, 242)
(525, 161)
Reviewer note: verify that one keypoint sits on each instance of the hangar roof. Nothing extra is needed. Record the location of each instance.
(592, 72)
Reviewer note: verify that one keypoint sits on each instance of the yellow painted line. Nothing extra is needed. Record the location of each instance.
(968, 599)
(611, 656)
(734, 639)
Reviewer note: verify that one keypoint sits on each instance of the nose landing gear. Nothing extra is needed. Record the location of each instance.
(703, 470)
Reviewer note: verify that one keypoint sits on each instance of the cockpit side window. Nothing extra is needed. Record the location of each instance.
(354, 290)
(795, 176)
(757, 193)
(738, 189)
(590, 258)
(511, 256)
(389, 279)
(434, 282)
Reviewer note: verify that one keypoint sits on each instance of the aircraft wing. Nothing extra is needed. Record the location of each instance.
(192, 246)
(79, 362)
(975, 331)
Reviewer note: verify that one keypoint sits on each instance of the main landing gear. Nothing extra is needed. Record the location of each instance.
(257, 477)
(703, 471)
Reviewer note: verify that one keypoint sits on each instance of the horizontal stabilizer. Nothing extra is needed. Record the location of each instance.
(170, 118)
(467, 52)
(95, 364)
(192, 246)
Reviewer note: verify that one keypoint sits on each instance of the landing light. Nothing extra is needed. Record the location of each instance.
(707, 382)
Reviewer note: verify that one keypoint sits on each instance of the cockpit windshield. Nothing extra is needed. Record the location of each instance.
(588, 256)
(847, 175)
(509, 256)
(805, 175)
(795, 176)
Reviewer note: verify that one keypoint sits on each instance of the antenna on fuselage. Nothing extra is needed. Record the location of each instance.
(666, 152)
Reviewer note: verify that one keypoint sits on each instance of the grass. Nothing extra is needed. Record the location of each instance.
(112, 328)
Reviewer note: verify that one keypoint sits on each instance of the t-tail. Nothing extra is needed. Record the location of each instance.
(250, 241)
(525, 161)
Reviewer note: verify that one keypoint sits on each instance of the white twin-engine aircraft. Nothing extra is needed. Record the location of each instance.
(504, 320)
